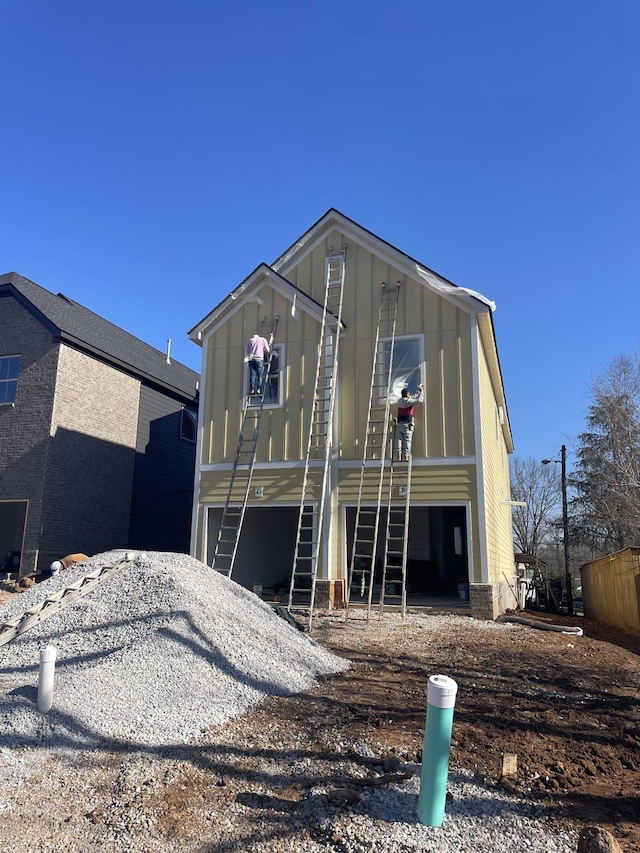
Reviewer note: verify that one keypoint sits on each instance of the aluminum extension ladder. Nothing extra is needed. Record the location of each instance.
(318, 456)
(235, 506)
(367, 520)
(17, 625)
(393, 591)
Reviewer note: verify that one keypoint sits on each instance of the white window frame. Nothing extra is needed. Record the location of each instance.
(419, 376)
(281, 362)
(6, 381)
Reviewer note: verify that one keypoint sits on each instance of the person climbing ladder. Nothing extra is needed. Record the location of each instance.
(404, 428)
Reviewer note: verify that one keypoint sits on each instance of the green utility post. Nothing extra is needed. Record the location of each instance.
(441, 698)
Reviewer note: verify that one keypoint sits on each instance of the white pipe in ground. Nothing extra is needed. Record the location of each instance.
(45, 679)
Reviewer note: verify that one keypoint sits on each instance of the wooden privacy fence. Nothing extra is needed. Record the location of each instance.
(611, 589)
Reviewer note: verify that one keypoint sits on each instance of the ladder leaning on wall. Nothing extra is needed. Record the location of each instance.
(318, 455)
(393, 591)
(243, 464)
(367, 519)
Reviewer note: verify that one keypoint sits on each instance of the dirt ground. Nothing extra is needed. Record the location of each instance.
(566, 706)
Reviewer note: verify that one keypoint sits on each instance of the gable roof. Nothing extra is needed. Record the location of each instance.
(78, 327)
(334, 219)
(465, 298)
(249, 291)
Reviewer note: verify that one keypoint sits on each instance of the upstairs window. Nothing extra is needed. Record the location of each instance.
(9, 367)
(274, 382)
(188, 424)
(406, 369)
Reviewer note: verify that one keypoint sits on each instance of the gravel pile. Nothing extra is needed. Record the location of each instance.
(155, 656)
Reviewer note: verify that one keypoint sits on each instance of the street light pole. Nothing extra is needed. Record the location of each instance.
(565, 525)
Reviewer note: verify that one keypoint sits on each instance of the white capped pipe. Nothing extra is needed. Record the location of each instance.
(441, 691)
(45, 679)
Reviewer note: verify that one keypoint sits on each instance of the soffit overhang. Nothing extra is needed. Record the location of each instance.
(249, 291)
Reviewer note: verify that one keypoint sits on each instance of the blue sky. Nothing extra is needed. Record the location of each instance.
(152, 154)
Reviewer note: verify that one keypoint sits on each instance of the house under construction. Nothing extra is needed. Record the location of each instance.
(299, 488)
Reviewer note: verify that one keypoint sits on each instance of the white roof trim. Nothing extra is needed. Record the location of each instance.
(249, 291)
(370, 241)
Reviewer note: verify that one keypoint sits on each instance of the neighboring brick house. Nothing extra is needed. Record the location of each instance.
(97, 434)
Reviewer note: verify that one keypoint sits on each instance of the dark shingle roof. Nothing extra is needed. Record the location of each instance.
(76, 326)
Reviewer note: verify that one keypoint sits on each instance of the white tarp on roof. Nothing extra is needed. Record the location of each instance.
(452, 289)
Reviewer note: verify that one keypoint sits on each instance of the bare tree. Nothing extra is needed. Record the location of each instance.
(539, 487)
(606, 511)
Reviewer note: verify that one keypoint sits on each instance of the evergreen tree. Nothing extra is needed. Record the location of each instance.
(606, 482)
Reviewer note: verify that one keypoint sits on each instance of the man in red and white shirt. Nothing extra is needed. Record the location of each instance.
(404, 433)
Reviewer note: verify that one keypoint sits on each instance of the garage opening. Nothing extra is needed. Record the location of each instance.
(266, 547)
(13, 519)
(437, 559)
(437, 555)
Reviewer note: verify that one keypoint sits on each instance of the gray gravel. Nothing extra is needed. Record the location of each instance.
(168, 648)
(162, 650)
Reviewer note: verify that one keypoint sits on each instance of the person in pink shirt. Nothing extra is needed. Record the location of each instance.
(257, 348)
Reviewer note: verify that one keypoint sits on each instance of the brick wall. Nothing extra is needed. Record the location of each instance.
(87, 493)
(24, 426)
(490, 600)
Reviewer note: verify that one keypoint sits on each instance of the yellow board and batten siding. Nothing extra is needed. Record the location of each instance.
(283, 431)
(495, 469)
(445, 426)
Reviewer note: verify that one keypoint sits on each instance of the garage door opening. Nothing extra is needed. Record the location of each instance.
(437, 555)
(265, 549)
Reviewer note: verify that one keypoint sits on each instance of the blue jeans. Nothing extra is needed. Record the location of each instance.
(256, 374)
(404, 437)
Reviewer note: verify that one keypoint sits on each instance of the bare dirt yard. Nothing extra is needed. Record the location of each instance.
(565, 705)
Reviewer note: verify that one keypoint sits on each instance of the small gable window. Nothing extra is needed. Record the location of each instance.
(273, 385)
(188, 424)
(273, 382)
(9, 368)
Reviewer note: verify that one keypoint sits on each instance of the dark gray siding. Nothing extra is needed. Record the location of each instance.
(163, 477)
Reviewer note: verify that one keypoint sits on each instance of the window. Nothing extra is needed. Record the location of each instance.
(9, 367)
(407, 365)
(274, 382)
(188, 424)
